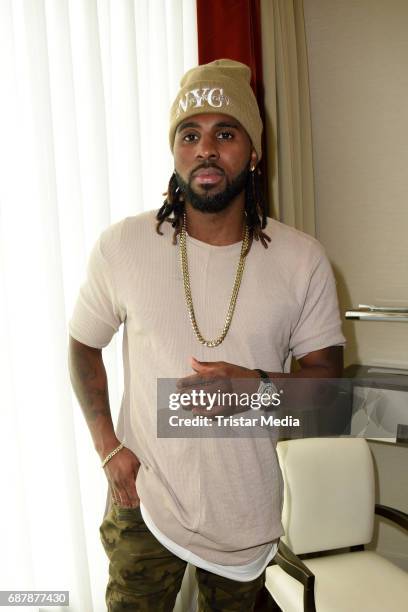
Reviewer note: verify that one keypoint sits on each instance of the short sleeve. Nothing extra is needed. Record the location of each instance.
(97, 314)
(319, 324)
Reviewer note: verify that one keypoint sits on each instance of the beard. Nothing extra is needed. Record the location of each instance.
(219, 201)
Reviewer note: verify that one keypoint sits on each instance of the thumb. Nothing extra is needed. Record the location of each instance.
(200, 366)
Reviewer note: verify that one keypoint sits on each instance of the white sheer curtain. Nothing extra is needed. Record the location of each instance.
(85, 91)
(288, 119)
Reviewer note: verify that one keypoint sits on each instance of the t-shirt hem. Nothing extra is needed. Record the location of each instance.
(240, 573)
(305, 348)
(84, 340)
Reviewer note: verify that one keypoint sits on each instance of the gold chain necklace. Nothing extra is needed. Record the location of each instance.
(187, 287)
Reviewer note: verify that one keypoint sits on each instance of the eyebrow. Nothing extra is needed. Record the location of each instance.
(192, 124)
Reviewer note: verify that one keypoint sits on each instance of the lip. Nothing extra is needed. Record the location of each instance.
(208, 176)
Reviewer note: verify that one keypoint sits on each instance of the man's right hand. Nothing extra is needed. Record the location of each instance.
(88, 376)
(121, 472)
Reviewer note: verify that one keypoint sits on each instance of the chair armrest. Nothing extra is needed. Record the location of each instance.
(397, 516)
(292, 565)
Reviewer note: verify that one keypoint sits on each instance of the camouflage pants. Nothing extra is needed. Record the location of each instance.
(145, 577)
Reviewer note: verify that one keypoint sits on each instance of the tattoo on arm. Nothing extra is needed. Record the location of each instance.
(89, 381)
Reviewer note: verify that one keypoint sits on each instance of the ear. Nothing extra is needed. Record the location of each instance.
(253, 160)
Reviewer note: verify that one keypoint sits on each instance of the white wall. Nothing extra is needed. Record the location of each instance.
(358, 62)
(358, 68)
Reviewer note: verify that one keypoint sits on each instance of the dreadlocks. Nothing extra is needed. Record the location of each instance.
(255, 209)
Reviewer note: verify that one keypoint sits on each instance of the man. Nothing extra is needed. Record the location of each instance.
(213, 502)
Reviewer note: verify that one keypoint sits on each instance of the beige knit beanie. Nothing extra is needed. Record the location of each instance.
(223, 87)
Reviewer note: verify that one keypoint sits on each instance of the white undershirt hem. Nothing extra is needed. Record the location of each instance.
(241, 573)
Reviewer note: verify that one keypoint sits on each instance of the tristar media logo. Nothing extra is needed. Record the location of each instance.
(196, 98)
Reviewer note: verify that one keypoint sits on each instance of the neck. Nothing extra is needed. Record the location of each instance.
(218, 229)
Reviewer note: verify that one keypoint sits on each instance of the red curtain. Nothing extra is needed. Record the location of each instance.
(232, 29)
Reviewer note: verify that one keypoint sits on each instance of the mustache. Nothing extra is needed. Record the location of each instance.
(206, 166)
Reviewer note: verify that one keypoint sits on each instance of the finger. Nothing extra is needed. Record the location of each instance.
(128, 493)
(188, 381)
(115, 494)
(131, 492)
(201, 412)
(215, 388)
(194, 381)
(203, 366)
(134, 499)
(122, 498)
(207, 410)
(130, 499)
(118, 490)
(210, 368)
(112, 494)
(203, 397)
(214, 411)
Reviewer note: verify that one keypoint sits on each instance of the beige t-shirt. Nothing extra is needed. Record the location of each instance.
(221, 498)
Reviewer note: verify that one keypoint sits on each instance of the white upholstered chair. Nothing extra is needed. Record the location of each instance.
(328, 505)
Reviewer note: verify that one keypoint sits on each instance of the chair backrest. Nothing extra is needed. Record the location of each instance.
(328, 493)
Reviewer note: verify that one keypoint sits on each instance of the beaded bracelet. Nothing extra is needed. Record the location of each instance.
(112, 454)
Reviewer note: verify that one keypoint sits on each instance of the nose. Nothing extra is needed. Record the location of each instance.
(207, 148)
